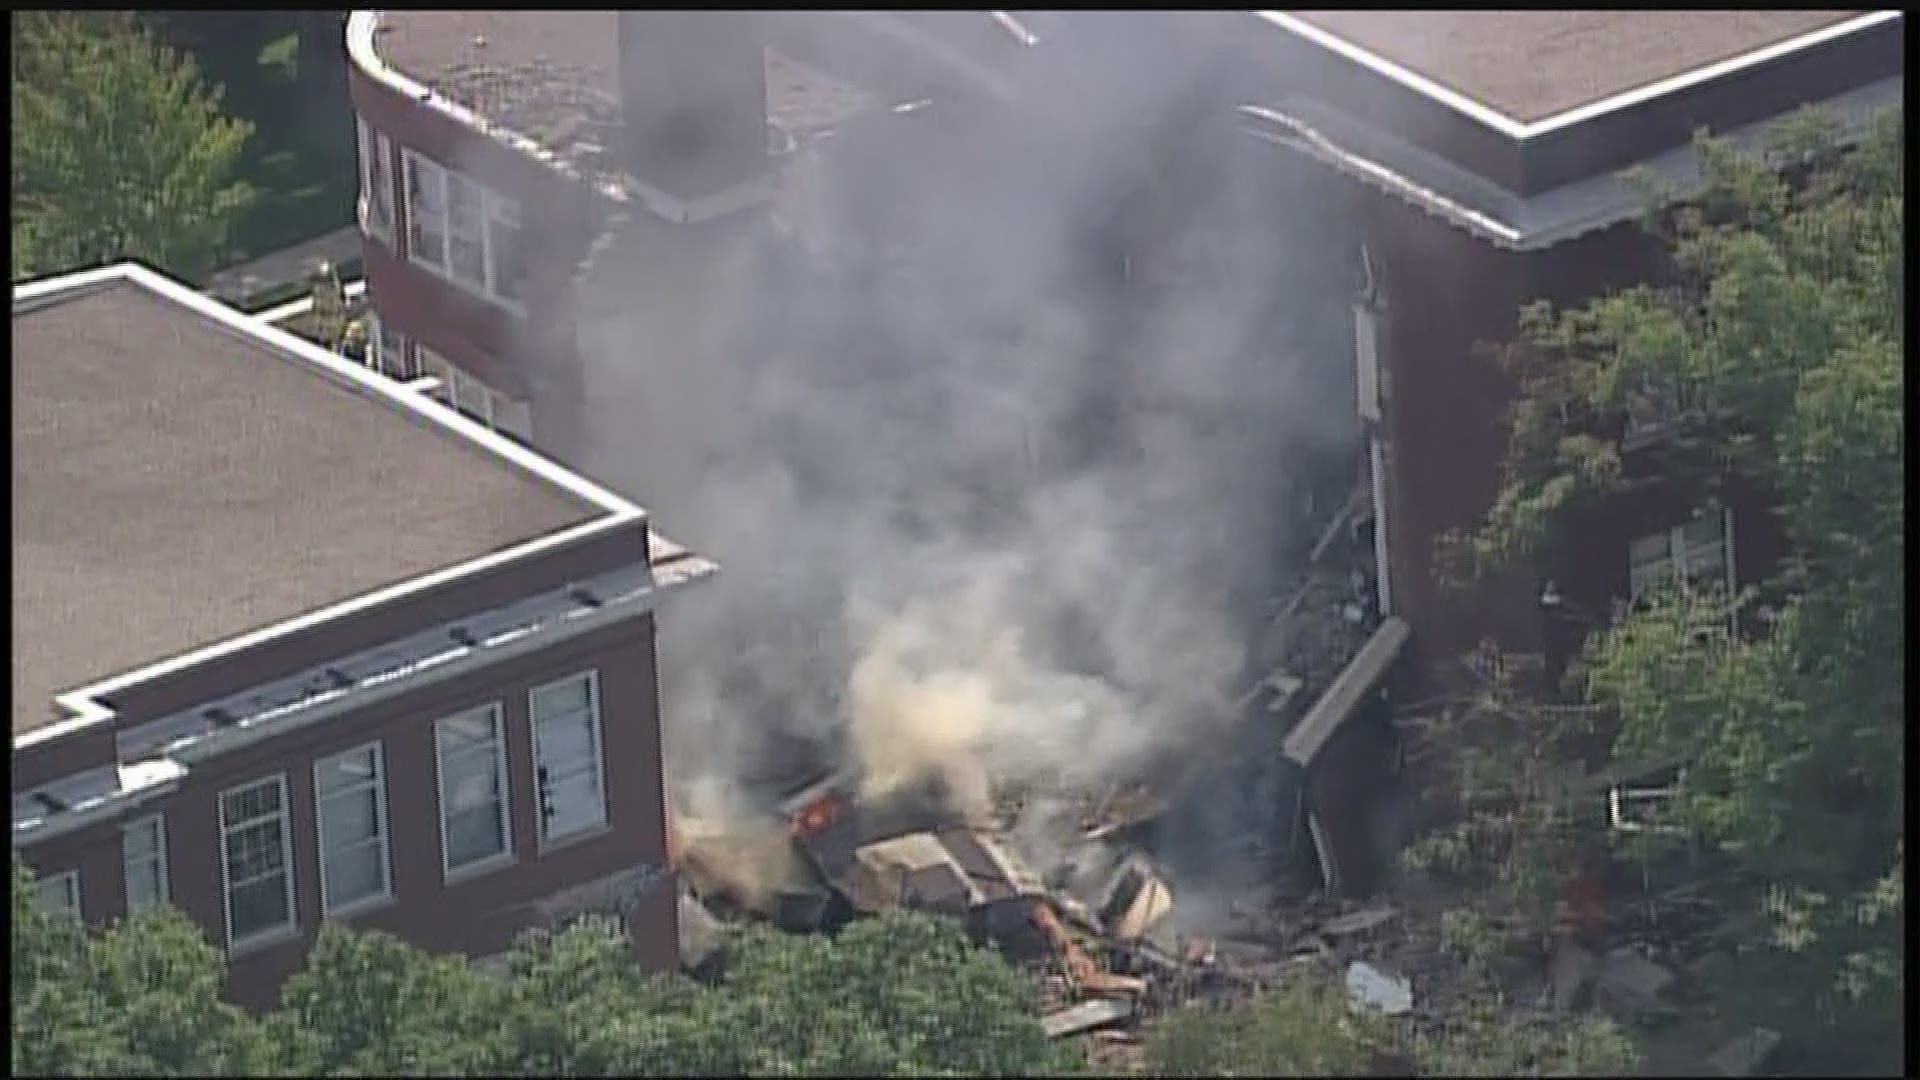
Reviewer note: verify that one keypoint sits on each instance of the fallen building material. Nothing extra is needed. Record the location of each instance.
(1634, 982)
(1136, 900)
(1342, 699)
(699, 932)
(1369, 987)
(1570, 971)
(1358, 922)
(1082, 973)
(1086, 1016)
(1745, 1054)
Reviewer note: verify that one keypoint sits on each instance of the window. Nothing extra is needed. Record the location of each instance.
(350, 795)
(391, 353)
(1367, 360)
(255, 861)
(426, 212)
(59, 893)
(376, 182)
(143, 848)
(507, 266)
(566, 756)
(1697, 555)
(464, 232)
(1651, 409)
(471, 753)
(475, 398)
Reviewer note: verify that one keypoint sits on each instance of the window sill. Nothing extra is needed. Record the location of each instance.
(572, 839)
(263, 942)
(479, 869)
(360, 908)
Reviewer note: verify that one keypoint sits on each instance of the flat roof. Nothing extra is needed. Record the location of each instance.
(184, 474)
(1530, 67)
(553, 77)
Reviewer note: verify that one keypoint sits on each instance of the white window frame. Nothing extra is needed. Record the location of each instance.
(1676, 557)
(1366, 351)
(498, 716)
(162, 873)
(491, 206)
(285, 814)
(68, 900)
(473, 398)
(376, 159)
(383, 838)
(596, 743)
(1377, 468)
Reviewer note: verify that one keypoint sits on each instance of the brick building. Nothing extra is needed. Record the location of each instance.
(301, 645)
(1478, 153)
(1485, 152)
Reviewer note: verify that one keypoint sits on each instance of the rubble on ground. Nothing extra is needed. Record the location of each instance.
(1369, 987)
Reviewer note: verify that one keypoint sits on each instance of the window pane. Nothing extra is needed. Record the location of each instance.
(466, 257)
(509, 264)
(352, 817)
(1706, 559)
(146, 883)
(259, 906)
(253, 802)
(560, 698)
(472, 782)
(573, 804)
(459, 733)
(467, 261)
(354, 874)
(564, 743)
(473, 835)
(142, 840)
(254, 850)
(463, 206)
(1648, 549)
(1707, 530)
(426, 205)
(347, 770)
(58, 894)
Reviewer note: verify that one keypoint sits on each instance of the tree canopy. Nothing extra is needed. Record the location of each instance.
(120, 150)
(1775, 355)
(905, 994)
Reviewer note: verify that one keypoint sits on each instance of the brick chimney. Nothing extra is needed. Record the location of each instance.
(693, 88)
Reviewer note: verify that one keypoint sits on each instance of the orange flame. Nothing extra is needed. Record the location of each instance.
(819, 813)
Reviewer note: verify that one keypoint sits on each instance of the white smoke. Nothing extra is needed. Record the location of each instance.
(997, 439)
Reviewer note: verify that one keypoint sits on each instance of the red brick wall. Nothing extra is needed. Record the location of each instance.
(475, 915)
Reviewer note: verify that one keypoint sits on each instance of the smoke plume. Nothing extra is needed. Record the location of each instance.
(997, 427)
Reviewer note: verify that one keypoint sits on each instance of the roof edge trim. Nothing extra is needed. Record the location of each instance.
(85, 702)
(362, 54)
(1521, 131)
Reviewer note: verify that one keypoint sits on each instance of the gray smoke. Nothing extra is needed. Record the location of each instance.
(998, 428)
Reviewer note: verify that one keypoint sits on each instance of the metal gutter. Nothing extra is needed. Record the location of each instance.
(1501, 217)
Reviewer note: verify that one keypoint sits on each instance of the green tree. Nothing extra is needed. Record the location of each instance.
(903, 994)
(1777, 349)
(119, 150)
(140, 998)
(907, 994)
(1307, 1027)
